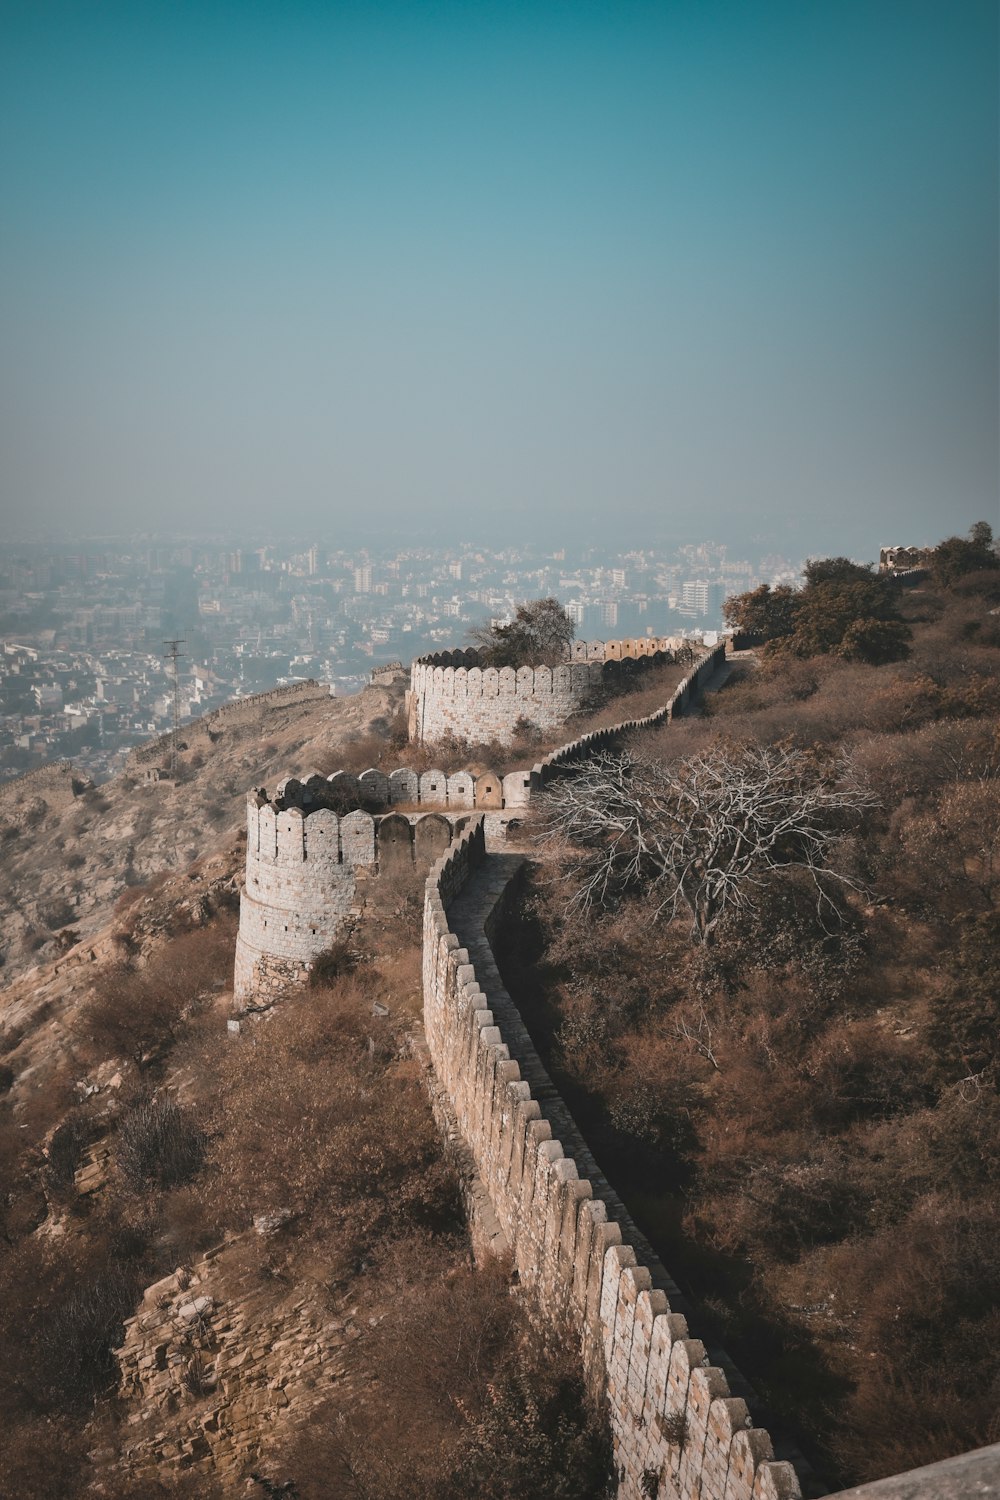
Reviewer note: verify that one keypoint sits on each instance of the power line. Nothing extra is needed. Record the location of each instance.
(174, 656)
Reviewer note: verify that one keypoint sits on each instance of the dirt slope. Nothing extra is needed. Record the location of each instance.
(68, 850)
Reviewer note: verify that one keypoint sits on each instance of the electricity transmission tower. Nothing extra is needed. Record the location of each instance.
(174, 656)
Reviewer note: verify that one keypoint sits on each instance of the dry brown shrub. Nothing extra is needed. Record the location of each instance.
(919, 763)
(136, 893)
(158, 1144)
(64, 1153)
(466, 1402)
(317, 1113)
(950, 848)
(928, 1321)
(861, 1070)
(340, 958)
(359, 752)
(200, 1486)
(60, 1319)
(140, 1013)
(50, 1094)
(23, 1204)
(133, 1015)
(42, 1458)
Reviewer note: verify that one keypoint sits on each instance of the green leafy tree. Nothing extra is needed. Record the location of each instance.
(957, 556)
(831, 613)
(836, 570)
(764, 611)
(539, 634)
(875, 641)
(843, 609)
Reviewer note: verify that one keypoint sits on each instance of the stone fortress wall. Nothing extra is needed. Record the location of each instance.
(680, 1423)
(903, 559)
(57, 785)
(681, 1426)
(453, 693)
(307, 850)
(303, 868)
(678, 1429)
(240, 710)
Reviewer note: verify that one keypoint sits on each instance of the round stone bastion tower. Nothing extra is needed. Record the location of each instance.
(452, 693)
(300, 885)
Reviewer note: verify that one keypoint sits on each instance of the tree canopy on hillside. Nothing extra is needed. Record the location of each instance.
(958, 556)
(843, 609)
(538, 635)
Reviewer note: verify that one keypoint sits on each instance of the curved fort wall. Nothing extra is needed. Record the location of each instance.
(302, 874)
(681, 1429)
(678, 1428)
(306, 849)
(453, 693)
(240, 710)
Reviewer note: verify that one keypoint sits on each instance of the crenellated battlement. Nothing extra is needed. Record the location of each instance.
(599, 651)
(374, 790)
(679, 1419)
(453, 693)
(309, 845)
(303, 864)
(289, 838)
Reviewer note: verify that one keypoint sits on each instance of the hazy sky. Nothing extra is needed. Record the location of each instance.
(615, 271)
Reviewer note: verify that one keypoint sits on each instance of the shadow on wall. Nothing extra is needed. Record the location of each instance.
(676, 1427)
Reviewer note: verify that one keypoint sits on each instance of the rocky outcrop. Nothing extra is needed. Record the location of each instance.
(213, 1363)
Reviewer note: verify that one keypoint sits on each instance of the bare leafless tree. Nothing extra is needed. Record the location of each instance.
(702, 834)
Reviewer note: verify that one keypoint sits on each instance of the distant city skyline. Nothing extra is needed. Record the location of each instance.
(86, 630)
(620, 274)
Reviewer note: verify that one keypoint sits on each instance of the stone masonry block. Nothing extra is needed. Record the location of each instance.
(404, 786)
(649, 1303)
(573, 1194)
(563, 1171)
(634, 1279)
(776, 1480)
(616, 1257)
(727, 1416)
(705, 1385)
(672, 1421)
(357, 838)
(526, 1111)
(747, 1452)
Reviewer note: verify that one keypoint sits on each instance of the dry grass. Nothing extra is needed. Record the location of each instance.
(806, 1117)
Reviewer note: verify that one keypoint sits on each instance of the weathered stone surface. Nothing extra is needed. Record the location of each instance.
(210, 1364)
(672, 1415)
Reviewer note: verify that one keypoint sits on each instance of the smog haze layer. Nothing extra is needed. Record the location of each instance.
(633, 272)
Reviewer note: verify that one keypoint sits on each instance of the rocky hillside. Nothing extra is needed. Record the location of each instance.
(69, 850)
(224, 1243)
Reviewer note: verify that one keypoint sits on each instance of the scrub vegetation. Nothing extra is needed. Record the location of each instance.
(782, 1044)
(316, 1116)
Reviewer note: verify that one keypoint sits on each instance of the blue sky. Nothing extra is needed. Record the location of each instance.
(631, 271)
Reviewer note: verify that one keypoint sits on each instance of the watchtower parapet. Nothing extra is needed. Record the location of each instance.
(903, 559)
(307, 851)
(309, 847)
(457, 693)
